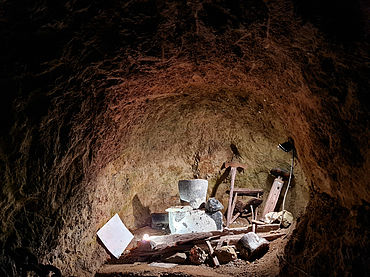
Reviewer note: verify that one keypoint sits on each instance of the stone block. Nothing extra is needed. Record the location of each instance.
(159, 221)
(251, 246)
(183, 220)
(193, 191)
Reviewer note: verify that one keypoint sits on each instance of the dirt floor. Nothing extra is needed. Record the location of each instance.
(268, 265)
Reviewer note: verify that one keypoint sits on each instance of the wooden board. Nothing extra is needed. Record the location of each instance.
(229, 211)
(247, 192)
(273, 197)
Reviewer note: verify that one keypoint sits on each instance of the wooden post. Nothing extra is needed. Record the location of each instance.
(256, 209)
(211, 252)
(273, 196)
(235, 217)
(253, 225)
(235, 198)
(231, 196)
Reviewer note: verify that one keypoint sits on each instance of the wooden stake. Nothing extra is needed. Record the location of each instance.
(211, 252)
(231, 196)
(253, 225)
(273, 196)
(235, 217)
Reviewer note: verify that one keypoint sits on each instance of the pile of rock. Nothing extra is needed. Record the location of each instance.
(193, 217)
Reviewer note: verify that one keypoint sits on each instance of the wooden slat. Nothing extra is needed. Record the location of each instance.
(229, 211)
(273, 197)
(233, 239)
(167, 245)
(258, 222)
(211, 252)
(235, 198)
(235, 217)
(247, 192)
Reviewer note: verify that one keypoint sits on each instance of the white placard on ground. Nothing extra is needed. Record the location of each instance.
(115, 236)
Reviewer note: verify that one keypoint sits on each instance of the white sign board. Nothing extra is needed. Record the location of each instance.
(115, 236)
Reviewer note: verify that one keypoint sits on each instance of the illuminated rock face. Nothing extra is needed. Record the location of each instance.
(104, 107)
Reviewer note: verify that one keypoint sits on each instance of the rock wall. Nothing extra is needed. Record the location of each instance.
(107, 105)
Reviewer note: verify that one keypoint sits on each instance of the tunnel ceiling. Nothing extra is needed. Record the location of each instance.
(105, 105)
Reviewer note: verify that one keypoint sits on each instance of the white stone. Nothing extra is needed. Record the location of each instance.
(276, 217)
(183, 220)
(115, 236)
(193, 191)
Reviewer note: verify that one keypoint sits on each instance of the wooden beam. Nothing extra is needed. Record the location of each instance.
(247, 192)
(235, 198)
(258, 222)
(167, 245)
(229, 212)
(273, 197)
(235, 217)
(211, 252)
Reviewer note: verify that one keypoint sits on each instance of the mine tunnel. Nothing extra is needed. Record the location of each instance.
(107, 105)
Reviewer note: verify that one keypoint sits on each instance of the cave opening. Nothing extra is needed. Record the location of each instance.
(107, 105)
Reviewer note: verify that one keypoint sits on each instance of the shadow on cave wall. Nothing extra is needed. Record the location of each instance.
(141, 213)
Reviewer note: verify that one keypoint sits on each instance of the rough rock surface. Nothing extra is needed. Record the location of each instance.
(225, 254)
(105, 105)
(213, 205)
(197, 255)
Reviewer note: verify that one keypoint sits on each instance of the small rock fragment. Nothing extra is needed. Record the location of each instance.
(225, 254)
(197, 255)
(213, 205)
(251, 246)
(178, 258)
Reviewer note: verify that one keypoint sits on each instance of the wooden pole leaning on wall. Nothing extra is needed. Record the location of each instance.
(233, 167)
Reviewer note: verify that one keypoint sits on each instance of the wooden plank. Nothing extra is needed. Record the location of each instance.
(233, 239)
(235, 198)
(256, 210)
(211, 252)
(229, 212)
(170, 244)
(258, 222)
(267, 228)
(158, 242)
(273, 196)
(235, 217)
(162, 242)
(253, 225)
(247, 192)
